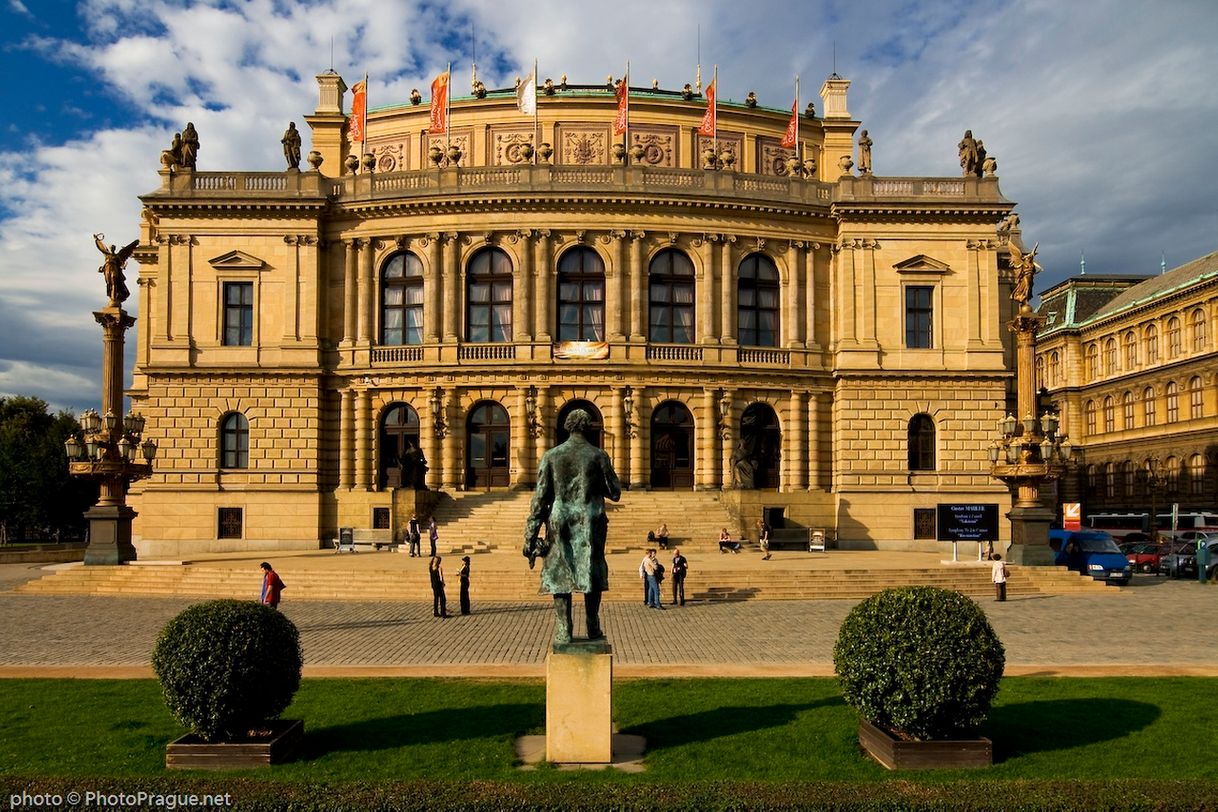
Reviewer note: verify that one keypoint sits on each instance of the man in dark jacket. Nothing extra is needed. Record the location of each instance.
(680, 566)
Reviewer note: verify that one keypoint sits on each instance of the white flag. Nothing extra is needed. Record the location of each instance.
(526, 94)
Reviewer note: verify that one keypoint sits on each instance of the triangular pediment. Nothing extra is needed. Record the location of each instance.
(922, 264)
(237, 261)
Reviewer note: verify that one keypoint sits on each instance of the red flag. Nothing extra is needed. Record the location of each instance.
(623, 106)
(439, 104)
(359, 111)
(788, 138)
(710, 117)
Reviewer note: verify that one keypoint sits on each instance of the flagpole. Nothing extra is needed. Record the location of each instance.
(364, 146)
(715, 114)
(798, 151)
(626, 133)
(448, 106)
(536, 129)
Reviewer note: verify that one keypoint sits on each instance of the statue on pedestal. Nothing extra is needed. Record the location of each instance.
(969, 159)
(573, 481)
(1025, 268)
(291, 145)
(112, 268)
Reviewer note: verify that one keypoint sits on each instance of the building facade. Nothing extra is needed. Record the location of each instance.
(737, 318)
(1131, 363)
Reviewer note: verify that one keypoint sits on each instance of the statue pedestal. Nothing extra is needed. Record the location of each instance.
(1030, 537)
(579, 703)
(109, 535)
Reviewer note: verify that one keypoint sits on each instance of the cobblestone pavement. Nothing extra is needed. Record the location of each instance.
(1155, 626)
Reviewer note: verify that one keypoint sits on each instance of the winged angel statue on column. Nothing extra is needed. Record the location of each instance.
(1025, 267)
(112, 268)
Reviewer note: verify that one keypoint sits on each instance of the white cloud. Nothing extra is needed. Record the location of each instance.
(1102, 115)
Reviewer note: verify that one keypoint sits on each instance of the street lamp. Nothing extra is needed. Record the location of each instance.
(107, 451)
(1153, 477)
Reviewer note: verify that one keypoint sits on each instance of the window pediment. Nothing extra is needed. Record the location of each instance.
(237, 261)
(921, 264)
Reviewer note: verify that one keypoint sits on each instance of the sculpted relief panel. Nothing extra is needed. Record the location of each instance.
(659, 145)
(390, 157)
(772, 157)
(506, 146)
(462, 140)
(730, 143)
(588, 145)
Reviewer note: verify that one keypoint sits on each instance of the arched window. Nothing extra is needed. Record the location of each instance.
(757, 301)
(581, 296)
(402, 300)
(234, 441)
(1109, 415)
(1173, 337)
(1089, 412)
(1196, 475)
(1110, 356)
(1093, 361)
(1196, 408)
(1173, 402)
(1199, 330)
(1127, 479)
(488, 297)
(1040, 373)
(1148, 406)
(1127, 410)
(1093, 480)
(1131, 351)
(1054, 368)
(671, 286)
(1152, 344)
(1109, 480)
(921, 446)
(1171, 466)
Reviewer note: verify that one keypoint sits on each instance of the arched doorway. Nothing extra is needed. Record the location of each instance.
(401, 462)
(488, 438)
(761, 443)
(672, 447)
(594, 430)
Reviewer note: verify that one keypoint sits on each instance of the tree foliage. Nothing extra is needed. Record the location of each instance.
(37, 496)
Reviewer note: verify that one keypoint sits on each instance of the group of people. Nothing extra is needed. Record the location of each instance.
(414, 538)
(439, 600)
(727, 544)
(652, 572)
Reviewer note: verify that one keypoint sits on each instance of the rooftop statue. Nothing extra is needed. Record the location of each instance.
(291, 145)
(573, 482)
(1025, 268)
(865, 143)
(189, 152)
(968, 154)
(112, 268)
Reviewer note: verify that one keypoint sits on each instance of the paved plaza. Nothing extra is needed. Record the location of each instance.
(1153, 627)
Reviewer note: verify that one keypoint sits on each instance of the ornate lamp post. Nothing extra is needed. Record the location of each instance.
(1154, 478)
(1028, 452)
(112, 450)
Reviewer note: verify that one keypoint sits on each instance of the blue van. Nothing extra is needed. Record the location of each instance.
(1091, 552)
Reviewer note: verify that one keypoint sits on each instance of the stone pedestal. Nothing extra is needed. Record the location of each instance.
(109, 535)
(1030, 537)
(579, 703)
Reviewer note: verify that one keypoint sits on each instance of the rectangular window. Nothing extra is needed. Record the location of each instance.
(924, 523)
(918, 313)
(230, 523)
(380, 518)
(238, 314)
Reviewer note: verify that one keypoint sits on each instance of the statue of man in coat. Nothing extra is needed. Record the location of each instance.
(572, 483)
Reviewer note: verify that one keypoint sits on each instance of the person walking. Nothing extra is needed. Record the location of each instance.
(464, 585)
(439, 603)
(433, 534)
(412, 533)
(680, 566)
(763, 538)
(651, 567)
(999, 574)
(272, 586)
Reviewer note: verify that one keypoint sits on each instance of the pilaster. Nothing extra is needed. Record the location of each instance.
(433, 287)
(522, 288)
(727, 291)
(638, 291)
(346, 439)
(454, 294)
(542, 318)
(363, 440)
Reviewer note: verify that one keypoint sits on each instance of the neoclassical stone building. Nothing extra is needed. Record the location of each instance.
(827, 342)
(1130, 361)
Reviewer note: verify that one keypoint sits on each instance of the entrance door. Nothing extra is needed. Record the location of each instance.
(401, 462)
(488, 434)
(672, 447)
(595, 429)
(763, 441)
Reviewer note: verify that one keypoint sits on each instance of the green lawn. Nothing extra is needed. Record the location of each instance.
(780, 730)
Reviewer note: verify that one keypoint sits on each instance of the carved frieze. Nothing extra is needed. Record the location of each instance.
(586, 146)
(772, 157)
(461, 140)
(507, 147)
(659, 145)
(391, 157)
(727, 143)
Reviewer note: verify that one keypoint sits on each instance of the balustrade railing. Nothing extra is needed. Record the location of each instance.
(396, 355)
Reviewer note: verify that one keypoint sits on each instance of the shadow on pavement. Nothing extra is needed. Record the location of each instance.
(675, 731)
(427, 727)
(1060, 724)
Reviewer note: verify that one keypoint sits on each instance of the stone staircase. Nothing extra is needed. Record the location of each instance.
(502, 577)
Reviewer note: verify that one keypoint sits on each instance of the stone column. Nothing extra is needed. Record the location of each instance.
(621, 440)
(793, 326)
(522, 440)
(725, 439)
(346, 438)
(706, 289)
(816, 479)
(543, 304)
(431, 445)
(727, 292)
(365, 318)
(454, 292)
(350, 290)
(545, 411)
(454, 466)
(363, 439)
(433, 285)
(638, 292)
(794, 476)
(640, 461)
(708, 441)
(522, 289)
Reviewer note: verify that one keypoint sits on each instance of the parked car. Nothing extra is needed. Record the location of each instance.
(1091, 552)
(1144, 555)
(1188, 560)
(1171, 563)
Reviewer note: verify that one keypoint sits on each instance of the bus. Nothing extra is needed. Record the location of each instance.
(1188, 525)
(1120, 525)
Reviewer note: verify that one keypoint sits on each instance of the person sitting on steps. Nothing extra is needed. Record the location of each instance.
(727, 543)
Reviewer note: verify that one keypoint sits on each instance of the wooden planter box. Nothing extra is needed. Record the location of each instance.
(191, 753)
(896, 754)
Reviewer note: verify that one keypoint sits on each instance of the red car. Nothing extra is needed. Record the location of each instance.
(1144, 555)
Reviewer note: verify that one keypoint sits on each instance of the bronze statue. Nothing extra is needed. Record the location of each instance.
(573, 481)
(112, 269)
(291, 145)
(189, 152)
(865, 143)
(1025, 267)
(968, 154)
(743, 466)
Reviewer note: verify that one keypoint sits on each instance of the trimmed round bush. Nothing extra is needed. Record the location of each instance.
(921, 661)
(226, 666)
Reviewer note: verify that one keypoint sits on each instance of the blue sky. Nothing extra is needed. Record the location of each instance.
(1103, 116)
